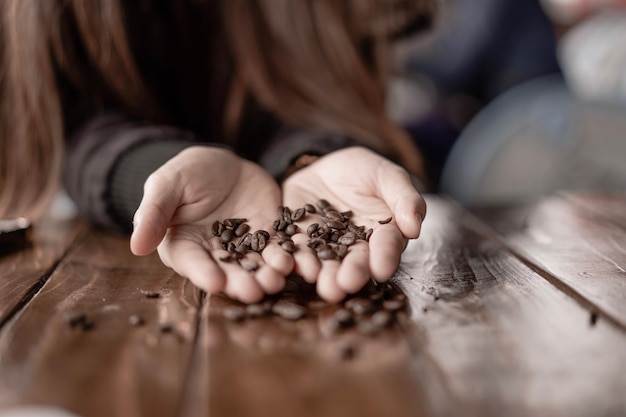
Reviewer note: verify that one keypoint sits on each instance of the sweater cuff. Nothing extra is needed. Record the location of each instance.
(131, 171)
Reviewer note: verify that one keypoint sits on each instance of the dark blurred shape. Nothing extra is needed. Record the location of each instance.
(14, 235)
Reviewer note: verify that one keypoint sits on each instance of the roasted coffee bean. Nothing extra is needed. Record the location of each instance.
(241, 249)
(282, 237)
(228, 258)
(244, 240)
(135, 320)
(150, 294)
(289, 310)
(341, 250)
(233, 223)
(275, 224)
(242, 229)
(230, 247)
(336, 225)
(282, 225)
(262, 242)
(341, 319)
(217, 228)
(249, 264)
(310, 208)
(322, 204)
(368, 328)
(255, 310)
(263, 233)
(288, 246)
(347, 352)
(381, 318)
(368, 233)
(233, 313)
(298, 215)
(166, 327)
(334, 236)
(387, 220)
(347, 239)
(75, 318)
(312, 229)
(347, 214)
(226, 236)
(360, 306)
(315, 243)
(326, 254)
(291, 230)
(376, 296)
(333, 215)
(394, 305)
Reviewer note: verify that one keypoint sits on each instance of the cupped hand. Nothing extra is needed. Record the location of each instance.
(374, 189)
(182, 200)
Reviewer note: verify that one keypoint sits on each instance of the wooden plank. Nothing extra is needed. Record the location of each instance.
(114, 368)
(507, 342)
(612, 207)
(271, 366)
(570, 243)
(22, 273)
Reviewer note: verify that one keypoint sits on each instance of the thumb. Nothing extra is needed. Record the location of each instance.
(406, 203)
(154, 215)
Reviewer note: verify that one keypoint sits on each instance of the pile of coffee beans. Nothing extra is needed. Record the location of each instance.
(330, 239)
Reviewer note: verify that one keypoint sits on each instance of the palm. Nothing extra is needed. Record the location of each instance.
(185, 197)
(372, 188)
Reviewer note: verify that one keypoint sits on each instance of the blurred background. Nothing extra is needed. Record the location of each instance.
(513, 100)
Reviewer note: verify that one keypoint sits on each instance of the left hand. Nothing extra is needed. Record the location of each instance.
(374, 189)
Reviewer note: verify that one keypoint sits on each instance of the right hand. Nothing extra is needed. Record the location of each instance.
(181, 201)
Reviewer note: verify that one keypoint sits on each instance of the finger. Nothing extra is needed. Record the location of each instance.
(277, 258)
(354, 271)
(192, 261)
(155, 212)
(240, 284)
(327, 286)
(386, 245)
(407, 205)
(270, 280)
(307, 265)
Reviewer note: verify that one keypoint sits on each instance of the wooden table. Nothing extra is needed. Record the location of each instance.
(512, 312)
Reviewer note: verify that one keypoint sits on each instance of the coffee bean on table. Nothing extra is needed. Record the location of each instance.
(233, 313)
(289, 310)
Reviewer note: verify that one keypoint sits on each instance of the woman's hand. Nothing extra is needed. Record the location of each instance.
(374, 189)
(181, 201)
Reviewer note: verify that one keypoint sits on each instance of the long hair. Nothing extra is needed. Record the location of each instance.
(313, 63)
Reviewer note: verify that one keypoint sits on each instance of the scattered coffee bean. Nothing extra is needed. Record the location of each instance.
(336, 225)
(291, 230)
(347, 352)
(75, 319)
(394, 305)
(150, 294)
(217, 228)
(347, 214)
(263, 233)
(360, 306)
(234, 313)
(288, 246)
(310, 208)
(298, 215)
(340, 251)
(289, 310)
(135, 320)
(368, 234)
(381, 318)
(326, 254)
(226, 235)
(256, 310)
(312, 229)
(322, 204)
(387, 220)
(333, 216)
(242, 229)
(349, 238)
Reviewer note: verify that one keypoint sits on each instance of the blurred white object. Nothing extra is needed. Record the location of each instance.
(62, 208)
(593, 57)
(535, 139)
(568, 12)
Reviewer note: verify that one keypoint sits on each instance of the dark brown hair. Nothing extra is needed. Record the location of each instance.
(314, 63)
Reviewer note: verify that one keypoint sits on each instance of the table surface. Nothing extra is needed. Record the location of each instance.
(514, 311)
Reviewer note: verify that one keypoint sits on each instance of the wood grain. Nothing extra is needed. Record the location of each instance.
(22, 273)
(507, 341)
(573, 245)
(114, 368)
